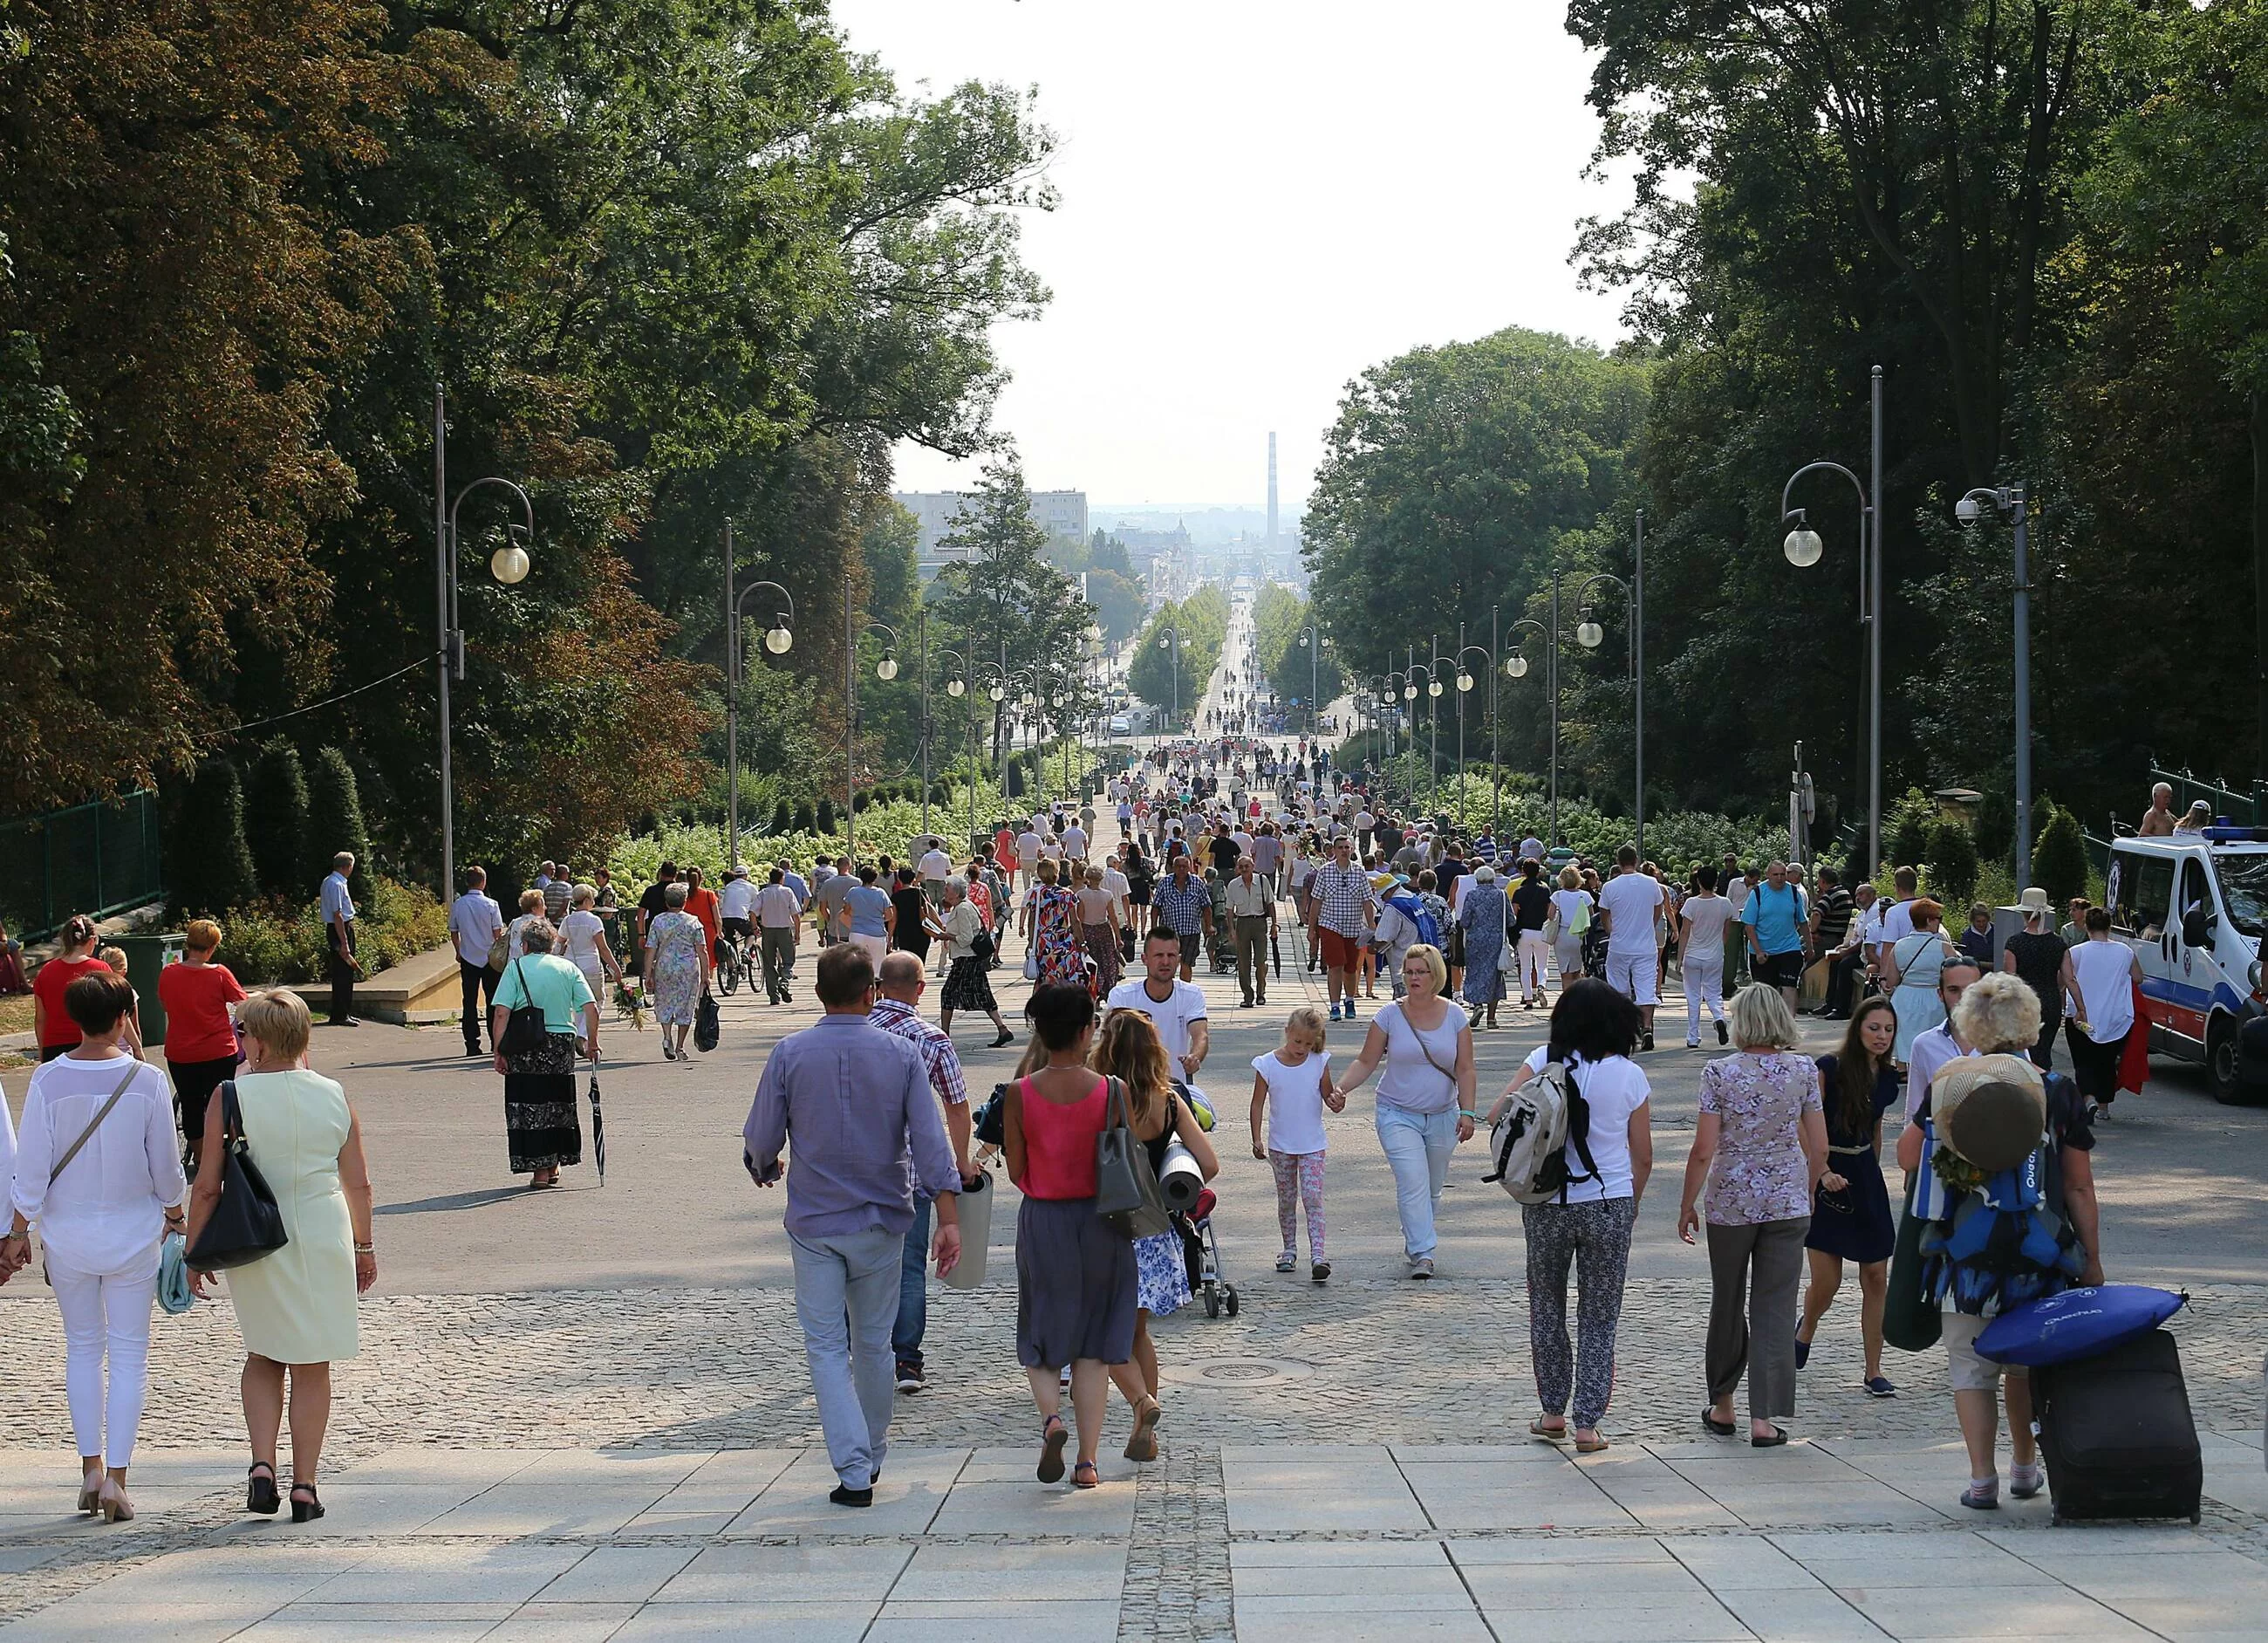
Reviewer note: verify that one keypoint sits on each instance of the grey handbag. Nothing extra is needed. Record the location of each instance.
(1126, 1187)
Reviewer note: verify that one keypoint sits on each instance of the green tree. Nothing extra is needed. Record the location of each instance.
(210, 864)
(1951, 853)
(1119, 603)
(335, 822)
(276, 818)
(2059, 856)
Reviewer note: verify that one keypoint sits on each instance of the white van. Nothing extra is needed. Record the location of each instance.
(2194, 907)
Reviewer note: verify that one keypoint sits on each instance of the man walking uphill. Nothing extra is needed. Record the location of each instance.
(853, 1103)
(900, 982)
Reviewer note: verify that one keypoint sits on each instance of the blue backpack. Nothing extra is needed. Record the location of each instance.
(1429, 928)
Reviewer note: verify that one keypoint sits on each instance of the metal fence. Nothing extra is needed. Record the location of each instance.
(2242, 808)
(92, 859)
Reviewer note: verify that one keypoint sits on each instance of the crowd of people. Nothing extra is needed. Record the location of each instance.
(1784, 1177)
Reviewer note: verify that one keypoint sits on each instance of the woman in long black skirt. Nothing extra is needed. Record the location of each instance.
(1855, 1223)
(542, 1127)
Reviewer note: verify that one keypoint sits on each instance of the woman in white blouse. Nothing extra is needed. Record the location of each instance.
(98, 1172)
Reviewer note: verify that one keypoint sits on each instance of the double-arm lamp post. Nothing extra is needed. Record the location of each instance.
(1590, 636)
(885, 669)
(1465, 683)
(1172, 637)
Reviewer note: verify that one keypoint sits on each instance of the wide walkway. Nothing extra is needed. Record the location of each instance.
(585, 1415)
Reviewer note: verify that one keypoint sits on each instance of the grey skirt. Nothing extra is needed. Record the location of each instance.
(1075, 1285)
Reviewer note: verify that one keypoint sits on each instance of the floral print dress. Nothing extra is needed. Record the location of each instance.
(1057, 938)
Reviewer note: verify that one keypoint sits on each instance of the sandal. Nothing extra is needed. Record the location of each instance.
(260, 1493)
(1778, 1437)
(1592, 1445)
(1143, 1445)
(1287, 1262)
(1053, 1436)
(1720, 1428)
(1549, 1434)
(1084, 1476)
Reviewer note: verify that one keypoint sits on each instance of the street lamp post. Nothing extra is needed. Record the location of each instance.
(1465, 683)
(2010, 502)
(778, 639)
(885, 669)
(1803, 548)
(956, 687)
(508, 564)
(1515, 666)
(1311, 640)
(1172, 637)
(1590, 636)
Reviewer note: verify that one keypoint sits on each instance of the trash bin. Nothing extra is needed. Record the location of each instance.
(145, 957)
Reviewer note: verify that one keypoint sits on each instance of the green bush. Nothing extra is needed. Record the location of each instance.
(282, 939)
(1950, 851)
(334, 822)
(1996, 828)
(806, 819)
(2059, 855)
(276, 818)
(210, 865)
(782, 818)
(825, 817)
(1906, 829)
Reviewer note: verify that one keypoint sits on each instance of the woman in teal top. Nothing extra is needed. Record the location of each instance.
(539, 1085)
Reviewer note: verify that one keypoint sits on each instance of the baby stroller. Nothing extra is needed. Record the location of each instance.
(1200, 1249)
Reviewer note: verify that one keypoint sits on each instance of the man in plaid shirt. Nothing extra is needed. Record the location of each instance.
(1183, 905)
(897, 1009)
(1345, 911)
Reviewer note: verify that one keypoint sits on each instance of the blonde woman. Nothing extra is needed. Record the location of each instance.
(296, 1305)
(1570, 907)
(1760, 1148)
(1425, 1100)
(583, 942)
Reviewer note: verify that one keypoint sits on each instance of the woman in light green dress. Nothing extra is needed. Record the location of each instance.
(296, 1305)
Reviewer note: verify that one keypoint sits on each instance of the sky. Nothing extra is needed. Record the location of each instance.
(1259, 199)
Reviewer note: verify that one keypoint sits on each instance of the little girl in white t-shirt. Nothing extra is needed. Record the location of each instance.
(1296, 1075)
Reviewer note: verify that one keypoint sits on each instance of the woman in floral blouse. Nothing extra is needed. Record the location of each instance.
(1760, 1146)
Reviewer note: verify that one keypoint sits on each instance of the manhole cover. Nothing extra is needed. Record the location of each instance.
(1237, 1374)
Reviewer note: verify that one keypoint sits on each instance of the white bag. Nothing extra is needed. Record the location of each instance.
(975, 1206)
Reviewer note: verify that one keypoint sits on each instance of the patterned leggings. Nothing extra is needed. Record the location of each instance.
(1298, 1181)
(1595, 1237)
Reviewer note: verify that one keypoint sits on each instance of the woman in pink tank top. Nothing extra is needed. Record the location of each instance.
(1075, 1275)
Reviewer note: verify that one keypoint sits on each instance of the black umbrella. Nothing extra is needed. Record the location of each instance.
(598, 1129)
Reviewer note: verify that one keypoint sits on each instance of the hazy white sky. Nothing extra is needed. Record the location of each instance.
(1259, 199)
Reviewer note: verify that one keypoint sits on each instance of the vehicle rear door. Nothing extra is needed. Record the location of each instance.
(2183, 1003)
(2140, 892)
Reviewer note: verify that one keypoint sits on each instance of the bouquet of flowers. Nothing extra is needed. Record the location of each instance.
(630, 1002)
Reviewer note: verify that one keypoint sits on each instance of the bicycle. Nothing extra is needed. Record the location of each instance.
(731, 964)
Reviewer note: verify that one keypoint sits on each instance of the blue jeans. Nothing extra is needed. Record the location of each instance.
(913, 1289)
(842, 1300)
(1417, 1145)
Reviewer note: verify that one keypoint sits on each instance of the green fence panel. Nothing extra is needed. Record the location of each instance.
(92, 859)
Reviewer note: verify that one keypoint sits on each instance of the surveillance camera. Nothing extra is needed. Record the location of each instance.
(1967, 511)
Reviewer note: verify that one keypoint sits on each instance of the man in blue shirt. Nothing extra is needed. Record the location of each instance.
(1775, 913)
(338, 932)
(855, 1103)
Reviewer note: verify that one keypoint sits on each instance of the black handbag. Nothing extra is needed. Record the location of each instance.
(980, 945)
(704, 1024)
(1912, 1321)
(525, 1028)
(245, 1224)
(1126, 1192)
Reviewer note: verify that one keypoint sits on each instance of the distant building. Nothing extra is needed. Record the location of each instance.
(1062, 512)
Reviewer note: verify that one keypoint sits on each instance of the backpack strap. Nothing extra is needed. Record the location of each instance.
(1577, 1139)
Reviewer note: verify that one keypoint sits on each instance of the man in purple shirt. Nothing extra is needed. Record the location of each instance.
(855, 1103)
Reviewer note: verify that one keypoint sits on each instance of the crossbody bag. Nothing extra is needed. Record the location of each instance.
(55, 1171)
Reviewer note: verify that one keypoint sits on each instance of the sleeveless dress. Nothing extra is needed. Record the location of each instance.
(1855, 1223)
(1920, 957)
(1075, 1275)
(1055, 935)
(297, 1305)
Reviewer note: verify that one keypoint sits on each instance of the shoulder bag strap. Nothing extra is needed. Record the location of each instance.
(1423, 1047)
(87, 1134)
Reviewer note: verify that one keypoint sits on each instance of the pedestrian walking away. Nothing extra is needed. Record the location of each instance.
(852, 1108)
(1630, 902)
(200, 1048)
(2100, 977)
(338, 913)
(1702, 918)
(1760, 1150)
(1586, 1227)
(542, 1127)
(2035, 953)
(897, 1010)
(1077, 1286)
(1425, 1100)
(780, 925)
(678, 962)
(475, 929)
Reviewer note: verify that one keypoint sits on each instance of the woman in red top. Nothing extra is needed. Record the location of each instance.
(51, 1023)
(201, 1047)
(1075, 1276)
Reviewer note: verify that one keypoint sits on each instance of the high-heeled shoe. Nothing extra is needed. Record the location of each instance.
(90, 1495)
(113, 1503)
(260, 1493)
(307, 1510)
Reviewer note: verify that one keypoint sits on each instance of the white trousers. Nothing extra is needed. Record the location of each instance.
(1633, 974)
(105, 1317)
(1533, 949)
(1704, 976)
(877, 947)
